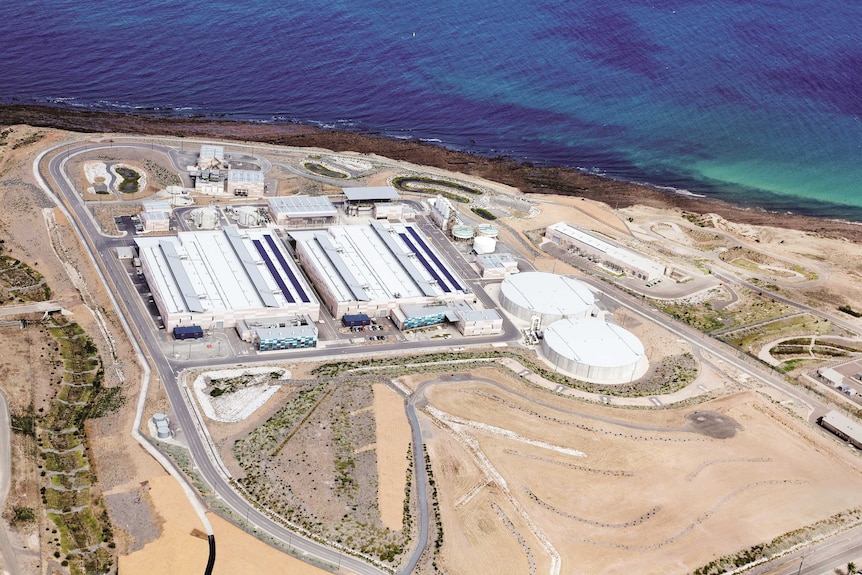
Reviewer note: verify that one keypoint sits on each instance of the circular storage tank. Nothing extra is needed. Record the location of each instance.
(162, 430)
(157, 417)
(205, 218)
(484, 245)
(462, 233)
(549, 296)
(488, 230)
(247, 217)
(594, 350)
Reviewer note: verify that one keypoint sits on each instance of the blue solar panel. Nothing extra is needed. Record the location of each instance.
(433, 257)
(287, 270)
(425, 263)
(282, 286)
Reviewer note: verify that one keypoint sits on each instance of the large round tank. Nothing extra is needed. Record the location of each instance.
(488, 230)
(205, 218)
(484, 245)
(594, 350)
(462, 232)
(247, 216)
(550, 296)
(162, 430)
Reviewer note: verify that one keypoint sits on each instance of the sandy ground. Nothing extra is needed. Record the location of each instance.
(179, 552)
(393, 440)
(642, 500)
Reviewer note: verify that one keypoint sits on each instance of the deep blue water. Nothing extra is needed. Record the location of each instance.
(757, 102)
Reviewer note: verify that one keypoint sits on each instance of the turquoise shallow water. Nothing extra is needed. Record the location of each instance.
(754, 102)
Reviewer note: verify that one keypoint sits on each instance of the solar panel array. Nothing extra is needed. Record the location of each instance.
(424, 262)
(284, 265)
(440, 266)
(276, 276)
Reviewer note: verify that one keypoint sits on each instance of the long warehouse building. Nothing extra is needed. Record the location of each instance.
(375, 268)
(216, 278)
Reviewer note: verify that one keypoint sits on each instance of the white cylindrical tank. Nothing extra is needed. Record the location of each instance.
(247, 217)
(484, 245)
(549, 296)
(205, 218)
(157, 417)
(162, 430)
(594, 350)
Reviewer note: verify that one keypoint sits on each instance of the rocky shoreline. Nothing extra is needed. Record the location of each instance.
(523, 175)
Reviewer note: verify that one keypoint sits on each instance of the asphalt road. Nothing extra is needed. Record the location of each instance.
(10, 560)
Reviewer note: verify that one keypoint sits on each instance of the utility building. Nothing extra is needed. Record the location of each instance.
(217, 278)
(245, 183)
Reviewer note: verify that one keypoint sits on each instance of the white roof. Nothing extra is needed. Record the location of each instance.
(376, 263)
(156, 206)
(303, 206)
(223, 270)
(610, 250)
(479, 315)
(370, 193)
(831, 374)
(208, 151)
(547, 293)
(493, 261)
(252, 176)
(844, 424)
(154, 216)
(594, 342)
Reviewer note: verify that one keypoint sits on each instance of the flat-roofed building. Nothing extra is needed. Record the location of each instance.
(374, 268)
(496, 266)
(302, 211)
(245, 183)
(613, 257)
(475, 322)
(842, 426)
(217, 278)
(156, 221)
(269, 334)
(370, 194)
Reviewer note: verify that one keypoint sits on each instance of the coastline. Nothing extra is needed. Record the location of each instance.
(523, 175)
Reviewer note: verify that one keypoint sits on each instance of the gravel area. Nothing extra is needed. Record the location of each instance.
(130, 511)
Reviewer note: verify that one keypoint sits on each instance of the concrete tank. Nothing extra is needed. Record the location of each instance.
(162, 430)
(488, 230)
(205, 218)
(484, 245)
(462, 232)
(248, 217)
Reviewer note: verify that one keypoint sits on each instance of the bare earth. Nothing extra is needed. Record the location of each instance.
(648, 492)
(393, 440)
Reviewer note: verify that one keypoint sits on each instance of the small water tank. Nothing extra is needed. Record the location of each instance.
(484, 245)
(205, 218)
(162, 430)
(159, 417)
(462, 232)
(488, 230)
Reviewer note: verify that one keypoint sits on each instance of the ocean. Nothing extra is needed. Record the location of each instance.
(755, 102)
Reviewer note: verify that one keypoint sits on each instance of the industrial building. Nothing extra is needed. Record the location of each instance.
(270, 334)
(375, 268)
(245, 183)
(377, 202)
(210, 156)
(595, 351)
(443, 213)
(302, 211)
(156, 216)
(842, 426)
(477, 322)
(496, 266)
(610, 256)
(469, 321)
(217, 278)
(549, 297)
